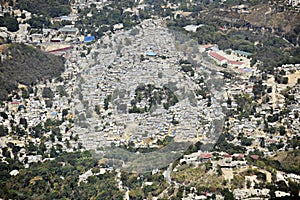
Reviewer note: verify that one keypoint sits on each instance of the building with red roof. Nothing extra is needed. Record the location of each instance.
(206, 156)
(238, 155)
(255, 157)
(207, 46)
(233, 62)
(221, 60)
(227, 156)
(217, 56)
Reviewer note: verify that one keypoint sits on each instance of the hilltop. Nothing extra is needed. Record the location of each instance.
(24, 64)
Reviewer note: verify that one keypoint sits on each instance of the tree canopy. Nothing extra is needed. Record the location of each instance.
(51, 8)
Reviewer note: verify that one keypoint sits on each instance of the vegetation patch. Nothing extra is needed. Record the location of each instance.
(289, 161)
(58, 179)
(198, 177)
(27, 65)
(51, 8)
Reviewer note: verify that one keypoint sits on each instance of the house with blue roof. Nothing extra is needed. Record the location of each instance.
(151, 53)
(88, 39)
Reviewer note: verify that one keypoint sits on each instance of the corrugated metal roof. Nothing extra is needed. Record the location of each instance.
(217, 56)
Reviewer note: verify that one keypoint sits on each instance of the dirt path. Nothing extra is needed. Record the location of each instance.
(271, 81)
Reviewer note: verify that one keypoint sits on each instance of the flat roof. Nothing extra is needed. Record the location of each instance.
(151, 53)
(89, 38)
(68, 29)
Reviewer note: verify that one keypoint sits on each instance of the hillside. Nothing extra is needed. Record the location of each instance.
(286, 23)
(289, 161)
(26, 65)
(265, 15)
(52, 8)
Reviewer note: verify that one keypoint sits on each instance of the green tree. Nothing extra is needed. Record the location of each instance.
(23, 121)
(282, 130)
(246, 141)
(64, 112)
(3, 115)
(42, 147)
(47, 93)
(294, 188)
(25, 94)
(106, 102)
(97, 109)
(227, 194)
(10, 23)
(53, 152)
(3, 131)
(32, 148)
(49, 103)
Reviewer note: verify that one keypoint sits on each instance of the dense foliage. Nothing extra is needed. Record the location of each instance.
(230, 30)
(288, 161)
(137, 188)
(272, 51)
(58, 179)
(26, 65)
(9, 22)
(52, 8)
